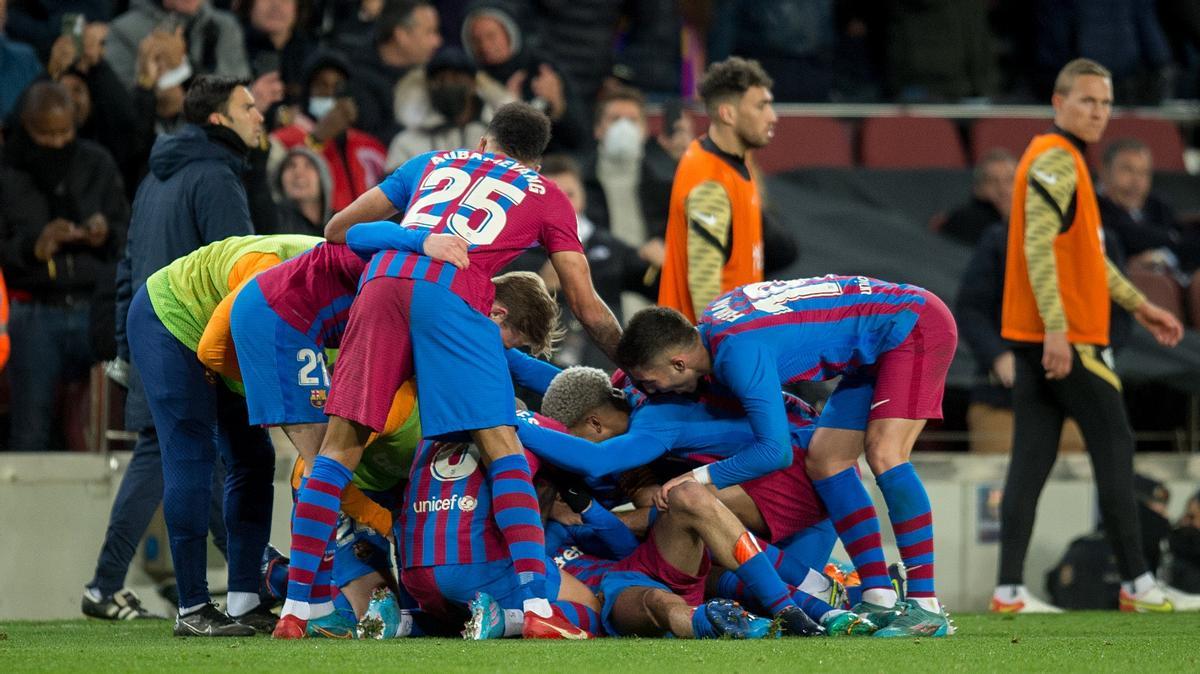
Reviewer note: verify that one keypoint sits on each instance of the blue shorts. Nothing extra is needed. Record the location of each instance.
(850, 404)
(282, 368)
(360, 551)
(613, 584)
(442, 590)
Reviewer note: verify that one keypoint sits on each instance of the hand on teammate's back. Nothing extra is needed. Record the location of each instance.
(1161, 323)
(448, 247)
(1056, 355)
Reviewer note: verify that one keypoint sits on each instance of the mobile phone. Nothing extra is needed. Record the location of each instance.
(72, 25)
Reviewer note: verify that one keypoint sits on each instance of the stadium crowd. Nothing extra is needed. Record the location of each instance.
(211, 192)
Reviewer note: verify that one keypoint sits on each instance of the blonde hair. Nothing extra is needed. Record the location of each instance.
(532, 310)
(576, 391)
(1080, 66)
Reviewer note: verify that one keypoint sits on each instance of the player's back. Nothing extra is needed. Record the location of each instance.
(313, 292)
(498, 205)
(817, 328)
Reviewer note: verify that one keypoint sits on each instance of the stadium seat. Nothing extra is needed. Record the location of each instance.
(1160, 289)
(1008, 133)
(806, 141)
(1161, 135)
(911, 142)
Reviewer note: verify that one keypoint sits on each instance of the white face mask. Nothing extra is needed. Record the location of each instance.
(175, 76)
(319, 106)
(622, 140)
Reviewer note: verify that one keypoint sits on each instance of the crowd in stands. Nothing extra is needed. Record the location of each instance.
(350, 89)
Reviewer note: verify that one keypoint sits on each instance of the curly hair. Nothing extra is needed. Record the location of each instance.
(730, 79)
(521, 130)
(651, 332)
(532, 310)
(576, 391)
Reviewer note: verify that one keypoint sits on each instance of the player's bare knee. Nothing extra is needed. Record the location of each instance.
(883, 456)
(691, 499)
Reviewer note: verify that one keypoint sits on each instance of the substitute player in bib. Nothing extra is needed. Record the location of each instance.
(1057, 285)
(414, 315)
(714, 226)
(891, 343)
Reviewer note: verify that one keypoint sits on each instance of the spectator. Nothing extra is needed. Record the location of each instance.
(650, 58)
(303, 192)
(792, 40)
(157, 108)
(406, 36)
(213, 41)
(658, 165)
(355, 158)
(959, 63)
(62, 218)
(19, 65)
(39, 22)
(991, 199)
(276, 40)
(1184, 543)
(1144, 223)
(613, 176)
(447, 104)
(492, 37)
(578, 36)
(199, 166)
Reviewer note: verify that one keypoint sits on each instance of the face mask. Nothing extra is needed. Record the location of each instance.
(175, 76)
(622, 140)
(449, 100)
(319, 106)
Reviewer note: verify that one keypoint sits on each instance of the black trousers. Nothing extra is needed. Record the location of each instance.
(1091, 395)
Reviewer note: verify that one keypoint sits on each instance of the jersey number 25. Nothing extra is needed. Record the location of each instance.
(447, 184)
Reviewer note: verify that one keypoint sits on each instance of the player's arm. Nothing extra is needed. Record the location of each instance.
(586, 458)
(751, 374)
(368, 238)
(1161, 323)
(576, 279)
(215, 349)
(532, 373)
(370, 205)
(1122, 291)
(1050, 195)
(709, 215)
(609, 531)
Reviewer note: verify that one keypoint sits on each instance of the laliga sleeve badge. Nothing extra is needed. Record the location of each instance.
(317, 396)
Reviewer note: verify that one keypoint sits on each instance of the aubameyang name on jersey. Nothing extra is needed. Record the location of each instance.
(535, 180)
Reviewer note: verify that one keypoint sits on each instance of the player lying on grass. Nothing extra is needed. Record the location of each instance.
(195, 417)
(891, 343)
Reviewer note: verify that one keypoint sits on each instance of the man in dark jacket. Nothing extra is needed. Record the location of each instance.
(62, 218)
(192, 196)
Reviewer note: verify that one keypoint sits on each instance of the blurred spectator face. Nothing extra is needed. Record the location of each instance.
(1127, 178)
(680, 135)
(489, 41)
(245, 119)
(571, 186)
(80, 96)
(995, 186)
(450, 93)
(185, 7)
(300, 179)
(327, 82)
(754, 117)
(273, 16)
(53, 128)
(621, 129)
(420, 38)
(1085, 109)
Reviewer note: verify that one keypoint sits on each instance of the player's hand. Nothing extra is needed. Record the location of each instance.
(662, 499)
(1056, 355)
(1005, 369)
(1161, 323)
(448, 247)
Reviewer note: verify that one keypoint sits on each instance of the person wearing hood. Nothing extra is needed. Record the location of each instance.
(303, 191)
(445, 105)
(326, 125)
(62, 218)
(276, 40)
(493, 38)
(213, 39)
(192, 196)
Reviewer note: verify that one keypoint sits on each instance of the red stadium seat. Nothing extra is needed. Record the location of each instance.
(806, 141)
(1161, 135)
(1008, 133)
(911, 142)
(1159, 288)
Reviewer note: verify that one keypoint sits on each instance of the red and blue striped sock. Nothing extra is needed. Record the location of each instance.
(580, 616)
(814, 608)
(515, 507)
(912, 522)
(313, 524)
(854, 517)
(761, 580)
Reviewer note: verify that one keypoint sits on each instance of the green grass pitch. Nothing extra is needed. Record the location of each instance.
(1073, 642)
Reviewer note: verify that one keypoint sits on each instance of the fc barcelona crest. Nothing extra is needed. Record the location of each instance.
(317, 397)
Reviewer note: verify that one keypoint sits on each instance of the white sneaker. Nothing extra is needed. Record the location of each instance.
(1183, 601)
(1020, 602)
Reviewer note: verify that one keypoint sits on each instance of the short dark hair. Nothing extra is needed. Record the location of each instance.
(619, 93)
(560, 164)
(208, 94)
(1121, 145)
(731, 78)
(651, 332)
(42, 97)
(396, 13)
(521, 130)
